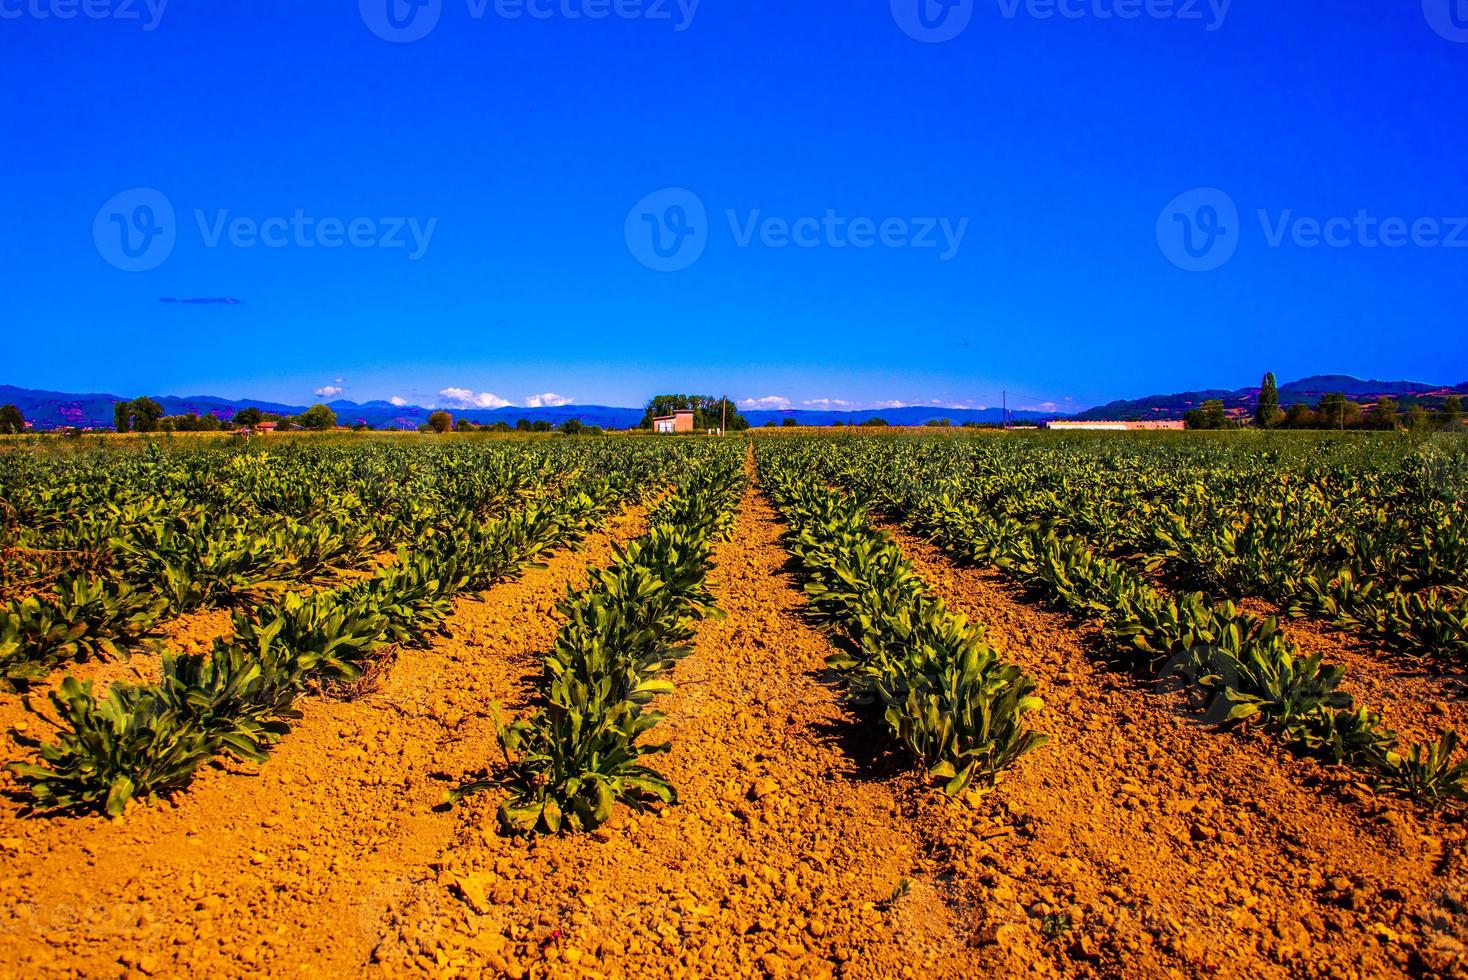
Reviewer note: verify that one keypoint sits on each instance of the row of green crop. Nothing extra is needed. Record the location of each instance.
(941, 691)
(142, 741)
(1369, 533)
(154, 558)
(1241, 666)
(568, 763)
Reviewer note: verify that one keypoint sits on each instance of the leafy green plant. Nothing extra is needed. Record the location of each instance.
(1432, 772)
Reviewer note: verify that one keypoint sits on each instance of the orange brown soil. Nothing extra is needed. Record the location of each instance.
(192, 632)
(792, 839)
(1415, 699)
(1177, 849)
(285, 868)
(800, 847)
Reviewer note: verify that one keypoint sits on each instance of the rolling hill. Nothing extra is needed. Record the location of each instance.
(54, 409)
(1307, 390)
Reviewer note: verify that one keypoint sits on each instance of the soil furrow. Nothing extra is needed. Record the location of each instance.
(1148, 845)
(288, 867)
(783, 858)
(1416, 699)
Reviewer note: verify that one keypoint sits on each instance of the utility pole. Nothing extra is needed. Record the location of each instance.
(1005, 412)
(723, 414)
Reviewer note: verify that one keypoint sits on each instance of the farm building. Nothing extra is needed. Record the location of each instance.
(679, 422)
(1100, 426)
(265, 428)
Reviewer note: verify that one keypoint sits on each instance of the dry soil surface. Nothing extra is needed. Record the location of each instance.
(1178, 849)
(287, 868)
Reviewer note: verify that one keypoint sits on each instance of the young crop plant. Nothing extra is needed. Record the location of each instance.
(944, 695)
(569, 763)
(144, 741)
(1432, 773)
(1064, 523)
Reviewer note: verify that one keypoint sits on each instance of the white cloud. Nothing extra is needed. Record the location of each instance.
(329, 391)
(465, 398)
(890, 404)
(1042, 407)
(547, 400)
(398, 401)
(769, 403)
(828, 404)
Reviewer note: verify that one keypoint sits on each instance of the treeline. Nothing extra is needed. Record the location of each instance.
(444, 422)
(146, 415)
(709, 414)
(1333, 411)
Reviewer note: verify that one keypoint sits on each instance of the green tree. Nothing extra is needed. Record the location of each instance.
(1451, 416)
(1211, 415)
(1335, 411)
(540, 425)
(1383, 415)
(146, 415)
(12, 422)
(1268, 414)
(788, 423)
(876, 423)
(571, 427)
(500, 427)
(317, 417)
(122, 416)
(464, 425)
(523, 425)
(708, 413)
(1418, 418)
(248, 418)
(1300, 416)
(440, 421)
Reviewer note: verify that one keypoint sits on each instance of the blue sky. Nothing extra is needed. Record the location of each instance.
(1038, 203)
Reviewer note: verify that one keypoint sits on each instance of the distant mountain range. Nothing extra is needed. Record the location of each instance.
(1307, 390)
(55, 409)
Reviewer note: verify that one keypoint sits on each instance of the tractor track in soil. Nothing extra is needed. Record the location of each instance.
(1177, 849)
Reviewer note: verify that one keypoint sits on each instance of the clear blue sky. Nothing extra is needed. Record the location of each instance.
(527, 141)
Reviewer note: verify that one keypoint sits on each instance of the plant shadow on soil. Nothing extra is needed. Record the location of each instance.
(1343, 784)
(857, 734)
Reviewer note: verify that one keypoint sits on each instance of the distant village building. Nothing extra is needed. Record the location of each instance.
(265, 428)
(680, 421)
(1063, 425)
